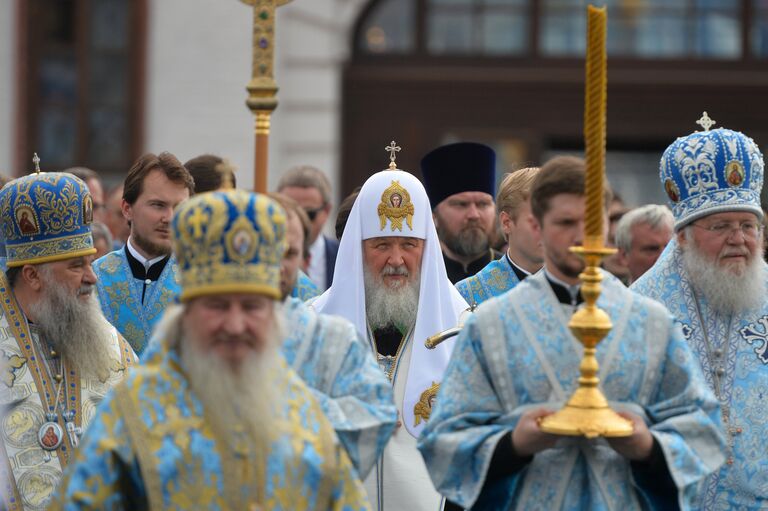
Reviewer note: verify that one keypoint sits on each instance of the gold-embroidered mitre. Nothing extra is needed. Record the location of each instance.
(46, 217)
(229, 242)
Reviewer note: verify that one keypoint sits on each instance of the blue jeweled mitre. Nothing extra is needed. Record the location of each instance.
(229, 242)
(712, 171)
(46, 217)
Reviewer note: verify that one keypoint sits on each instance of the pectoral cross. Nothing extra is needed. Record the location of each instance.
(74, 433)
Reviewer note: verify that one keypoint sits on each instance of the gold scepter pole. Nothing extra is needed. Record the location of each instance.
(587, 412)
(262, 89)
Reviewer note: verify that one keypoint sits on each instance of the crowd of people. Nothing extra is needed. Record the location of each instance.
(178, 343)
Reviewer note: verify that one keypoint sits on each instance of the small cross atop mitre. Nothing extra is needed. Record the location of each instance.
(705, 122)
(36, 161)
(392, 149)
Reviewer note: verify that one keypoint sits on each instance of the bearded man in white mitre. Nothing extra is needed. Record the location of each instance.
(392, 285)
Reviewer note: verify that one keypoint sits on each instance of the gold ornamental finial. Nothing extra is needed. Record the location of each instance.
(392, 149)
(705, 122)
(36, 161)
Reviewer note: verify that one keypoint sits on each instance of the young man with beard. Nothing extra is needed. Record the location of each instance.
(216, 419)
(524, 256)
(516, 361)
(139, 280)
(59, 354)
(713, 279)
(460, 180)
(397, 294)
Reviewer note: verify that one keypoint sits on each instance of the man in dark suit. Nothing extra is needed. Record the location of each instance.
(311, 189)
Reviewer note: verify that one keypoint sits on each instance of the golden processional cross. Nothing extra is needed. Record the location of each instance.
(262, 89)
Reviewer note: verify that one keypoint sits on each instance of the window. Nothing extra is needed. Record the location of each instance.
(477, 26)
(495, 27)
(83, 82)
(759, 28)
(645, 29)
(389, 28)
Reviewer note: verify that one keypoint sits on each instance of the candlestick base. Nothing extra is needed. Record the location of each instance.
(587, 414)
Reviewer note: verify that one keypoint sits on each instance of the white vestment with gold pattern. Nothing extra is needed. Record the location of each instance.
(28, 473)
(393, 203)
(400, 479)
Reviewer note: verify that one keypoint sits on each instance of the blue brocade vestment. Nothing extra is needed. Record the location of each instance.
(516, 353)
(327, 353)
(150, 447)
(120, 297)
(304, 289)
(737, 347)
(495, 279)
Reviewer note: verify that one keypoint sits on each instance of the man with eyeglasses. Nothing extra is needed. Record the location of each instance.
(713, 279)
(311, 189)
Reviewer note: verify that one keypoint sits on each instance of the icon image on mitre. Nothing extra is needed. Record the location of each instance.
(673, 192)
(396, 205)
(734, 173)
(87, 209)
(26, 220)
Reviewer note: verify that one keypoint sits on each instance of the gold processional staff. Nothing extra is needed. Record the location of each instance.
(262, 89)
(587, 412)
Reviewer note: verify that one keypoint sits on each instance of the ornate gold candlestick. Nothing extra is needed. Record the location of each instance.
(587, 412)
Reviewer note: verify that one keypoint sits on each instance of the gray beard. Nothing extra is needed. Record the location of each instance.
(726, 291)
(246, 400)
(76, 329)
(386, 306)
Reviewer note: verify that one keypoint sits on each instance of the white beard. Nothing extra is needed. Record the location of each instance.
(726, 290)
(76, 329)
(246, 399)
(391, 306)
